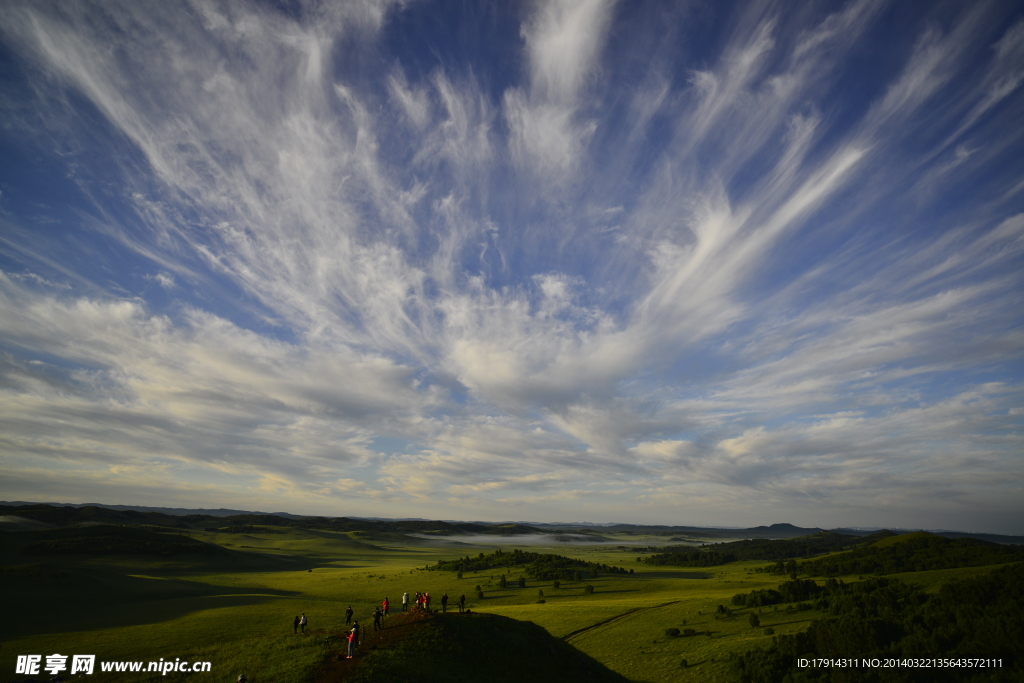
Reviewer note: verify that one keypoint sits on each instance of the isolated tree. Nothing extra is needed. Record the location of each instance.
(540, 592)
(588, 589)
(557, 584)
(576, 575)
(754, 621)
(502, 582)
(522, 582)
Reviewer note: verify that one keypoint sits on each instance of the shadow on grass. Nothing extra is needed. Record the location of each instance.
(674, 575)
(56, 599)
(787, 623)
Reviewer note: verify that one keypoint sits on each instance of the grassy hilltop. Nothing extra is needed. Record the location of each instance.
(471, 647)
(226, 591)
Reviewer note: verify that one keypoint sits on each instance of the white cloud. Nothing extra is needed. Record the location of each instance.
(560, 282)
(563, 41)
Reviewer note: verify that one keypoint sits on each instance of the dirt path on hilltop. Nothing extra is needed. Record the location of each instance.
(336, 667)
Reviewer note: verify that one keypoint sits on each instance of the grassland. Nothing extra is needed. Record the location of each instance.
(235, 609)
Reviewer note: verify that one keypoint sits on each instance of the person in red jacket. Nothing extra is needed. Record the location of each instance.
(385, 605)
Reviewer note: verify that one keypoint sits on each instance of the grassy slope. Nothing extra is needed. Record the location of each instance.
(472, 647)
(237, 612)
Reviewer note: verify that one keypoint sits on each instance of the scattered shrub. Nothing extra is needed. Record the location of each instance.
(769, 631)
(672, 632)
(689, 632)
(588, 589)
(684, 664)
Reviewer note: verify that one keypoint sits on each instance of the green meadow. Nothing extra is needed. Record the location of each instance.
(235, 608)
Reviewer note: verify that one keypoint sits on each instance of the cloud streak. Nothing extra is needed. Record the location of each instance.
(622, 262)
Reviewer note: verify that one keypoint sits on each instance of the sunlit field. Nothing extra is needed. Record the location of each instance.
(237, 611)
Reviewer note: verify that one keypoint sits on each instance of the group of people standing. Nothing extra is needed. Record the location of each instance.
(379, 613)
(422, 602)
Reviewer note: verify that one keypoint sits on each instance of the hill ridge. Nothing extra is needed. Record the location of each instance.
(475, 647)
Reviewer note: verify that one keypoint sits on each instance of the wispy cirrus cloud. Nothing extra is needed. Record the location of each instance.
(622, 262)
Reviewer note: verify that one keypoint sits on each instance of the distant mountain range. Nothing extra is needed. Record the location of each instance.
(781, 530)
(218, 512)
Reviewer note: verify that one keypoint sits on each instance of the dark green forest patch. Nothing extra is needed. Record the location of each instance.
(757, 549)
(910, 553)
(690, 558)
(540, 566)
(884, 618)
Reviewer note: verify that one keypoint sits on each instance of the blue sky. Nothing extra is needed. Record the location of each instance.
(664, 262)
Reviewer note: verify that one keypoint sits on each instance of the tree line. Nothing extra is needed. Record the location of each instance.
(922, 553)
(68, 515)
(756, 549)
(540, 566)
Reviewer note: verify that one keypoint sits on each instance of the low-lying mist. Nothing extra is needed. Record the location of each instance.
(529, 539)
